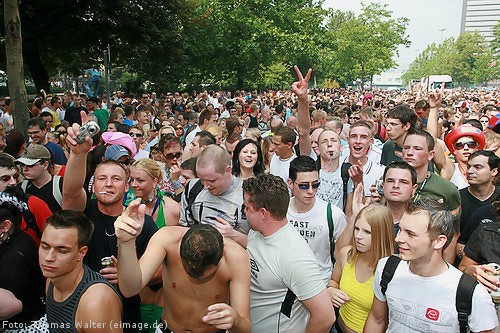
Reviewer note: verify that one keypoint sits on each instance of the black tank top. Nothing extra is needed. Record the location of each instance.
(61, 315)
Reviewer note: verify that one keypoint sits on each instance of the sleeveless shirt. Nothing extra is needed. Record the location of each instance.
(61, 315)
(355, 311)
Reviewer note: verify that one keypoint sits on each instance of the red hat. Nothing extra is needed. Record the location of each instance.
(461, 131)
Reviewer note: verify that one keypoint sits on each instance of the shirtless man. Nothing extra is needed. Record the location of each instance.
(206, 278)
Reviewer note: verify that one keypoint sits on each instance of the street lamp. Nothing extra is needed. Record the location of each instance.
(443, 29)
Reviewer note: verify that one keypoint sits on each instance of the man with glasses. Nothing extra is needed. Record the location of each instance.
(462, 142)
(35, 165)
(137, 134)
(399, 121)
(170, 146)
(309, 214)
(109, 186)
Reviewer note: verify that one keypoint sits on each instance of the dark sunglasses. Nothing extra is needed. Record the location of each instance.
(470, 144)
(126, 161)
(179, 129)
(354, 118)
(7, 178)
(306, 186)
(173, 155)
(137, 135)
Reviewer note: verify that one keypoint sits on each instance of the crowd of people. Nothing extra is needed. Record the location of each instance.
(305, 210)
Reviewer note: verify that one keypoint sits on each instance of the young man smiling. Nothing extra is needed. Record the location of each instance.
(429, 304)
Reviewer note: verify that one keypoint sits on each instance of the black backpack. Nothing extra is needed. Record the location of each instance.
(190, 193)
(463, 298)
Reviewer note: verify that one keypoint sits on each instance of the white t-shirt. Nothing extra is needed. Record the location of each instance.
(280, 262)
(279, 167)
(331, 188)
(458, 178)
(427, 304)
(191, 135)
(207, 207)
(313, 227)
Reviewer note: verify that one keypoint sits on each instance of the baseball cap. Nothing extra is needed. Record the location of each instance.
(462, 104)
(114, 152)
(461, 131)
(33, 154)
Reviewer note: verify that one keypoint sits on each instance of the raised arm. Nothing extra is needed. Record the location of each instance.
(132, 275)
(300, 88)
(74, 196)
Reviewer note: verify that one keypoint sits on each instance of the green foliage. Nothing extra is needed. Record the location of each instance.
(365, 45)
(468, 59)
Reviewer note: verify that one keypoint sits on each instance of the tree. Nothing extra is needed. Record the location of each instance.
(15, 72)
(367, 44)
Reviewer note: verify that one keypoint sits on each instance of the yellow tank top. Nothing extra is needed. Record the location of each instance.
(355, 311)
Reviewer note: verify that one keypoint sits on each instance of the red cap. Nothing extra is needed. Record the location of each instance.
(461, 131)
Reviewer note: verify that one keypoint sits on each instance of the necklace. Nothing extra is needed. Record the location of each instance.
(106, 232)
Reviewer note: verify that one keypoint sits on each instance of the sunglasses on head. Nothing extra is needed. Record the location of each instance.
(470, 144)
(7, 178)
(173, 155)
(306, 186)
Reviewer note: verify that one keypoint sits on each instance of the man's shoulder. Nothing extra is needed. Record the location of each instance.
(445, 186)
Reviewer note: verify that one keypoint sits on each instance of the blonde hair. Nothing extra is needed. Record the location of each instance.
(166, 127)
(382, 232)
(216, 130)
(153, 168)
(265, 144)
(252, 133)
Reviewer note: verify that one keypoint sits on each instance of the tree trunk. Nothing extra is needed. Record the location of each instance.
(15, 71)
(38, 71)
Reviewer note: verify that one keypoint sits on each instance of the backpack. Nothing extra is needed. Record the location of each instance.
(56, 189)
(330, 231)
(344, 174)
(190, 194)
(463, 298)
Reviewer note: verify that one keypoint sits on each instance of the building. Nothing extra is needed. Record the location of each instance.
(480, 15)
(388, 79)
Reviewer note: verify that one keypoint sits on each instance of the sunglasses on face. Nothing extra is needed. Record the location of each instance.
(7, 178)
(125, 161)
(354, 118)
(470, 144)
(173, 155)
(306, 186)
(137, 135)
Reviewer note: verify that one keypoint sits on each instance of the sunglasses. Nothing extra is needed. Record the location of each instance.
(179, 129)
(126, 161)
(354, 118)
(137, 135)
(470, 144)
(7, 178)
(306, 186)
(173, 155)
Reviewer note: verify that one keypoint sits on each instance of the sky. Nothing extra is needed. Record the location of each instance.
(426, 18)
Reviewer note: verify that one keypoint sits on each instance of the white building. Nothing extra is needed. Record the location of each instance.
(388, 79)
(481, 16)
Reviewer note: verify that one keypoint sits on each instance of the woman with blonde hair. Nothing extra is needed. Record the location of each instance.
(218, 132)
(267, 152)
(351, 285)
(145, 175)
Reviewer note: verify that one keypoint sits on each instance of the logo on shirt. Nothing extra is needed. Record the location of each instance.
(255, 268)
(432, 314)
